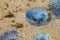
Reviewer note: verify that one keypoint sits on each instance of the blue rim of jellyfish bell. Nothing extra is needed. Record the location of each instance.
(41, 36)
(55, 6)
(32, 20)
(10, 35)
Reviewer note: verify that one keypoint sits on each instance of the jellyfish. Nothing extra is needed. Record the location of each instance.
(38, 16)
(41, 36)
(10, 35)
(55, 7)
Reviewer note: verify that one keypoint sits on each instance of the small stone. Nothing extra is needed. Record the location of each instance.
(41, 36)
(37, 16)
(18, 25)
(10, 35)
(9, 15)
(55, 6)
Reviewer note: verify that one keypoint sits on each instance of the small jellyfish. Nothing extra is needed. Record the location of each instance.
(38, 16)
(10, 35)
(41, 36)
(55, 6)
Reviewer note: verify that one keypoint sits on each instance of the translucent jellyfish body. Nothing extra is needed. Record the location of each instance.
(37, 16)
(10, 35)
(55, 6)
(41, 36)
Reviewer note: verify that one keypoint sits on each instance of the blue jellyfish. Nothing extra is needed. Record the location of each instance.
(55, 6)
(10, 35)
(37, 16)
(41, 36)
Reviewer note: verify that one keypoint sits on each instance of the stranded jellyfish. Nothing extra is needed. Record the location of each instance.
(41, 36)
(55, 6)
(10, 35)
(37, 16)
